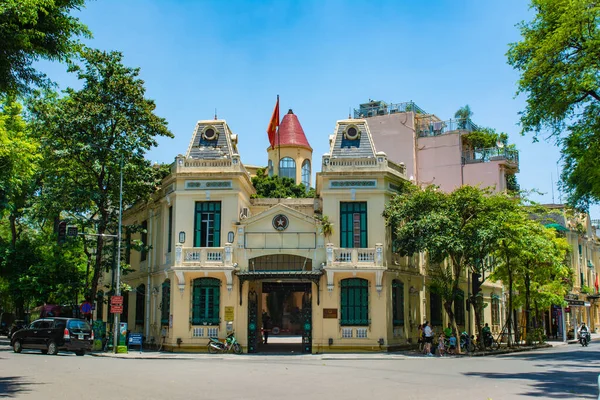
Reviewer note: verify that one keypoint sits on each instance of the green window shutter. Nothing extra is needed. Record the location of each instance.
(354, 302)
(166, 302)
(397, 303)
(205, 302)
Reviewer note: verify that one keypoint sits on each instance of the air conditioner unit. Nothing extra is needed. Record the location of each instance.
(244, 213)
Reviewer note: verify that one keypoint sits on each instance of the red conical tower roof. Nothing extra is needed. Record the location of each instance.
(291, 132)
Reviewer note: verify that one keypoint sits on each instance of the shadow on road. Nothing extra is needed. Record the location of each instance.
(572, 374)
(11, 386)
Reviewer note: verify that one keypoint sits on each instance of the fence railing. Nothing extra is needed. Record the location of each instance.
(490, 154)
(428, 127)
(203, 255)
(385, 109)
(355, 257)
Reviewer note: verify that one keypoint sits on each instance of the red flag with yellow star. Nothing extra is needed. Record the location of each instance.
(273, 124)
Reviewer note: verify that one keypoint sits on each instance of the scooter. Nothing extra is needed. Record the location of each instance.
(215, 345)
(584, 339)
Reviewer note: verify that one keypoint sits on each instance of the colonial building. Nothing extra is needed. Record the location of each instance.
(221, 260)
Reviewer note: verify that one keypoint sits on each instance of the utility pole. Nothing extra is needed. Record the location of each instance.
(118, 272)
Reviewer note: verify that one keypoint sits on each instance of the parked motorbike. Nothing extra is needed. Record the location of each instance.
(215, 345)
(466, 342)
(584, 339)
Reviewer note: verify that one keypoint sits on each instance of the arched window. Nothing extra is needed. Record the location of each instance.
(495, 309)
(306, 173)
(435, 309)
(205, 301)
(459, 307)
(100, 306)
(140, 306)
(287, 168)
(397, 303)
(354, 301)
(165, 302)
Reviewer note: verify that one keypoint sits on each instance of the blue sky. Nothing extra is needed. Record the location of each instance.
(321, 57)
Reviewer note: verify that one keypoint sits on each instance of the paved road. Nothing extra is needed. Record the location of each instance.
(565, 372)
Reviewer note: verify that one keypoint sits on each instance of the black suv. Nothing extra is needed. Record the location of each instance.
(53, 334)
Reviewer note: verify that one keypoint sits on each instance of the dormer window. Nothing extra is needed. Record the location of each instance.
(210, 133)
(352, 133)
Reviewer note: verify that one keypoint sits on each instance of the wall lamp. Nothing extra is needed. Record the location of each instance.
(182, 237)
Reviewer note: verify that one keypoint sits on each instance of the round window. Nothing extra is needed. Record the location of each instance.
(352, 133)
(210, 134)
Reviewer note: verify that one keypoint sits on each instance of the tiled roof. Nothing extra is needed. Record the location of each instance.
(201, 148)
(343, 147)
(291, 132)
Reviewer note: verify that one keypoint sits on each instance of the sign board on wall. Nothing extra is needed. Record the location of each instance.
(330, 313)
(229, 314)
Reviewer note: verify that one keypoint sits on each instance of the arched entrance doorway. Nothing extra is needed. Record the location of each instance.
(280, 303)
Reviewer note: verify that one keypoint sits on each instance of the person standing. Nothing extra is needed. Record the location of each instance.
(428, 338)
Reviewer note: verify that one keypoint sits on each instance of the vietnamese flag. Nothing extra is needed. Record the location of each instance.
(273, 124)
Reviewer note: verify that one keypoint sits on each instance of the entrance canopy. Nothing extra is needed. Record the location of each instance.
(311, 276)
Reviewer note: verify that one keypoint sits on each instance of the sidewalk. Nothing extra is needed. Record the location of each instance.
(154, 355)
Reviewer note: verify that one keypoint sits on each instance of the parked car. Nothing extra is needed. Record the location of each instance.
(6, 321)
(51, 335)
(17, 325)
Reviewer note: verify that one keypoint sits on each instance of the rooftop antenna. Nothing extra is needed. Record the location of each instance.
(558, 183)
(215, 114)
(552, 182)
(349, 112)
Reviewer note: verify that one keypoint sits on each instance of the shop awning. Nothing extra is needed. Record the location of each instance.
(311, 276)
(556, 226)
(283, 275)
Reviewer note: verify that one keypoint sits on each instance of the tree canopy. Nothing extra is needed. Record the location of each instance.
(558, 59)
(278, 187)
(89, 135)
(31, 30)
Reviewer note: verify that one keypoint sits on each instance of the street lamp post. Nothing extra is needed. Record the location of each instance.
(118, 274)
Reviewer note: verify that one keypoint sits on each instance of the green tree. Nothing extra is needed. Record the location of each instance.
(533, 265)
(88, 136)
(31, 30)
(558, 59)
(456, 230)
(276, 187)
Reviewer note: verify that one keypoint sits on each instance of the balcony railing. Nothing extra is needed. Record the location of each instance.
(354, 257)
(490, 154)
(385, 109)
(428, 127)
(203, 256)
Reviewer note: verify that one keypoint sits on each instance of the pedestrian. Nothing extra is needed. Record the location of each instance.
(428, 338)
(452, 344)
(420, 340)
(266, 327)
(441, 347)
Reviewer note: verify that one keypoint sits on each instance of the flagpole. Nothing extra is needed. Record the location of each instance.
(278, 144)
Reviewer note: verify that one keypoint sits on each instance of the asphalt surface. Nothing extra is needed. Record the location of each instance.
(563, 372)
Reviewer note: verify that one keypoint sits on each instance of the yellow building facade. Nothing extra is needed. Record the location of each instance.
(222, 261)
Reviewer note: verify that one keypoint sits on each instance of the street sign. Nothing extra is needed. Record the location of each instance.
(116, 301)
(228, 313)
(116, 309)
(71, 231)
(85, 307)
(135, 339)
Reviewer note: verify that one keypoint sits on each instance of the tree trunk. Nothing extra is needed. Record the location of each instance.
(98, 261)
(510, 301)
(528, 324)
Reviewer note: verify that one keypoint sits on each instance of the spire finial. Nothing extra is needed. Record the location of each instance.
(215, 114)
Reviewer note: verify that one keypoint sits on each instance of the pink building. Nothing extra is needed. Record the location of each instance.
(433, 150)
